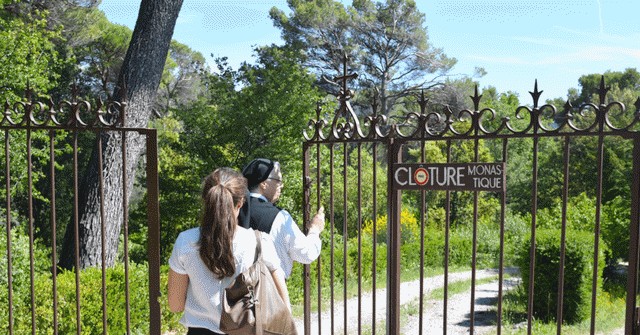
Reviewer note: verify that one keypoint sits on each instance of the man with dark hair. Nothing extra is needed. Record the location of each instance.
(264, 180)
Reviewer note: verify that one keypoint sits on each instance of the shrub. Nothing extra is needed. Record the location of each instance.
(581, 211)
(90, 295)
(90, 301)
(615, 228)
(409, 227)
(516, 230)
(578, 272)
(295, 283)
(433, 247)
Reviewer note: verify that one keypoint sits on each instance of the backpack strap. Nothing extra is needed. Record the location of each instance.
(258, 304)
(258, 246)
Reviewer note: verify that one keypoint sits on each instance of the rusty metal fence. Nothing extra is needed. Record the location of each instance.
(43, 183)
(358, 166)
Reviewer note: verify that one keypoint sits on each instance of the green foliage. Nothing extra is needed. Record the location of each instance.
(180, 182)
(609, 316)
(581, 211)
(334, 181)
(615, 229)
(29, 63)
(578, 273)
(520, 172)
(277, 98)
(101, 51)
(32, 59)
(333, 248)
(20, 257)
(516, 230)
(181, 82)
(90, 294)
(409, 228)
(504, 105)
(386, 42)
(590, 83)
(263, 118)
(581, 215)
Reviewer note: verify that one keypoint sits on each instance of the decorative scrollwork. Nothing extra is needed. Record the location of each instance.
(434, 122)
(65, 114)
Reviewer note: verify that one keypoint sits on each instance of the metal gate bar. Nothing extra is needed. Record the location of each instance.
(631, 320)
(374, 219)
(596, 233)
(503, 209)
(563, 233)
(346, 133)
(30, 125)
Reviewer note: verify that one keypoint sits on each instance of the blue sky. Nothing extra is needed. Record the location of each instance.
(515, 41)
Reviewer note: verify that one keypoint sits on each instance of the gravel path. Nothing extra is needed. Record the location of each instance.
(458, 308)
(457, 311)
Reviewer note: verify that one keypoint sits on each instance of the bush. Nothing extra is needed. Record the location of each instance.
(90, 295)
(295, 283)
(409, 227)
(516, 230)
(433, 247)
(615, 228)
(487, 247)
(578, 272)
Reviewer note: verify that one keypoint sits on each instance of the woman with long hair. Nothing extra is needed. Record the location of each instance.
(206, 259)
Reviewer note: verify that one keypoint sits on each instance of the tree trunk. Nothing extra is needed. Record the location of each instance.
(138, 83)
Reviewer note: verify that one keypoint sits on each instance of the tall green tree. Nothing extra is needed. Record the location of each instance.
(29, 66)
(386, 43)
(266, 104)
(100, 52)
(29, 56)
(137, 84)
(181, 82)
(589, 83)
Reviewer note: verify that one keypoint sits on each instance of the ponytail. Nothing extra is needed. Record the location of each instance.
(222, 193)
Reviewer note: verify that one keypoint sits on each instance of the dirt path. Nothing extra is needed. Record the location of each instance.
(457, 315)
(458, 308)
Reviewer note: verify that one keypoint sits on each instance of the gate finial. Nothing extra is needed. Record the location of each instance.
(345, 94)
(602, 90)
(422, 101)
(476, 99)
(535, 94)
(350, 128)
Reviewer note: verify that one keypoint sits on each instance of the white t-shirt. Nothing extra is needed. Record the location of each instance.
(204, 292)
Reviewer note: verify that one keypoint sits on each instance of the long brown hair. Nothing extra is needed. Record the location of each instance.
(222, 192)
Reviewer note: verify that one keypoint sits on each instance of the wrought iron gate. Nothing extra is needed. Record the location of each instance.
(43, 140)
(342, 291)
